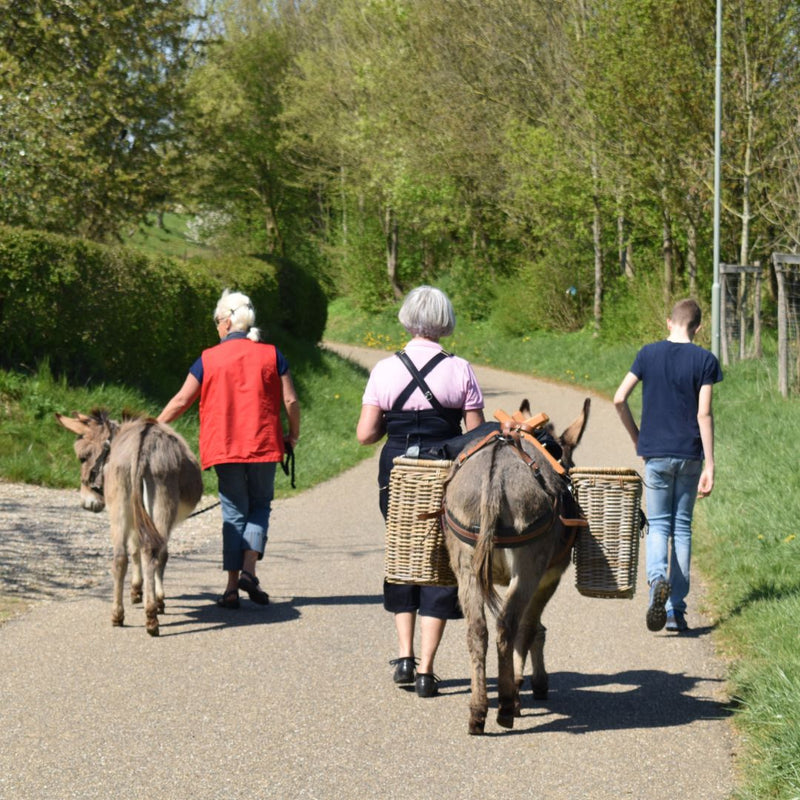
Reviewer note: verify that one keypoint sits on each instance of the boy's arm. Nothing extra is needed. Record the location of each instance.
(705, 420)
(623, 409)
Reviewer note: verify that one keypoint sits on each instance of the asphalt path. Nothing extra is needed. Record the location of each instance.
(295, 700)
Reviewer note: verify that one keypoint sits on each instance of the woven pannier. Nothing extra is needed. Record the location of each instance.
(607, 552)
(415, 546)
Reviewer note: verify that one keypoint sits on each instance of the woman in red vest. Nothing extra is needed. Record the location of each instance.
(241, 383)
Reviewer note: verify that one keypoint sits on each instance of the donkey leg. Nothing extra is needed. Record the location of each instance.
(163, 557)
(149, 567)
(508, 705)
(540, 680)
(119, 543)
(120, 567)
(136, 575)
(477, 644)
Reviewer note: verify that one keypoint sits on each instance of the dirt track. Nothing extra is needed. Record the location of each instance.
(295, 700)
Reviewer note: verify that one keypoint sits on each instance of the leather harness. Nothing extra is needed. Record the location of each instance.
(506, 536)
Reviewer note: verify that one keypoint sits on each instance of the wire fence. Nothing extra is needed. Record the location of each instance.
(787, 275)
(740, 321)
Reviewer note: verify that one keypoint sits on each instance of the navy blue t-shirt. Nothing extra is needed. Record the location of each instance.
(672, 374)
(197, 368)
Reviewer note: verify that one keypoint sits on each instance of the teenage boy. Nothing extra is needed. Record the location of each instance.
(676, 441)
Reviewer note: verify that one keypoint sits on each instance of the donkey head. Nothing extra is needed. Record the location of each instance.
(92, 447)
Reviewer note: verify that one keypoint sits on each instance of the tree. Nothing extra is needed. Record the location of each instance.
(92, 94)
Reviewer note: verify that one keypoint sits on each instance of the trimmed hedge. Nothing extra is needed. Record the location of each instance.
(103, 313)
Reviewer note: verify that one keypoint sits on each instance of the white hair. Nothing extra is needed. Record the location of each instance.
(239, 309)
(427, 312)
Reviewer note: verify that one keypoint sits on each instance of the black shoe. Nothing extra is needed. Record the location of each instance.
(229, 600)
(656, 613)
(427, 684)
(404, 669)
(249, 583)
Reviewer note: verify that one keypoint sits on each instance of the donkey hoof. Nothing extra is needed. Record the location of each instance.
(152, 629)
(136, 597)
(505, 720)
(540, 693)
(161, 606)
(477, 722)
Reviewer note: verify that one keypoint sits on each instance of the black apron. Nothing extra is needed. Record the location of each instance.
(409, 433)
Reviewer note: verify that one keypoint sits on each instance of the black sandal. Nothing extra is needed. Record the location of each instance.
(249, 583)
(229, 600)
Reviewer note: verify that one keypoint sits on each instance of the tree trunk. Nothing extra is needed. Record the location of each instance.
(392, 251)
(598, 251)
(669, 271)
(691, 257)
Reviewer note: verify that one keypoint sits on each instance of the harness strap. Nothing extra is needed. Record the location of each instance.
(504, 537)
(526, 429)
(95, 481)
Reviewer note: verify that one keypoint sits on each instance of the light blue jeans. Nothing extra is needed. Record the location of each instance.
(245, 493)
(670, 492)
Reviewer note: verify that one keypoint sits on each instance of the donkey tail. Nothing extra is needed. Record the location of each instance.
(482, 558)
(150, 537)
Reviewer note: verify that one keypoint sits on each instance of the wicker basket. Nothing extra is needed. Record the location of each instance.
(415, 548)
(607, 552)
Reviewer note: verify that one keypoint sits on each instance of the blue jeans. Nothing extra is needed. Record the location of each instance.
(670, 491)
(245, 493)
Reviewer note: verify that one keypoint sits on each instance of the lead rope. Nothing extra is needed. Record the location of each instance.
(287, 465)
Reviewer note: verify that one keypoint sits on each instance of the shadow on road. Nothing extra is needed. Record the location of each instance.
(624, 701)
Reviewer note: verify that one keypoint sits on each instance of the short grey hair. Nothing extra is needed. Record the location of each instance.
(239, 309)
(427, 312)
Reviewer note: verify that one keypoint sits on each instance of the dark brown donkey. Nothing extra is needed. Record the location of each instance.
(509, 520)
(149, 479)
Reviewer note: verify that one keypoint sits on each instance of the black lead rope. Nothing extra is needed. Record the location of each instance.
(287, 465)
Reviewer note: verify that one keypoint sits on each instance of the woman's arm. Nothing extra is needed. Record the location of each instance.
(371, 425)
(473, 418)
(186, 395)
(292, 406)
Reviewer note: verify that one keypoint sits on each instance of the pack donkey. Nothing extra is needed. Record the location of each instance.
(149, 479)
(509, 519)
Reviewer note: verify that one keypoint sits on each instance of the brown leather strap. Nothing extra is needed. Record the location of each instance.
(501, 539)
(526, 429)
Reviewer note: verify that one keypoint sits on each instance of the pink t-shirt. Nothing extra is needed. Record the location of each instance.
(452, 381)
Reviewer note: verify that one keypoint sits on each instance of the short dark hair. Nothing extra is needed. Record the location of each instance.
(687, 312)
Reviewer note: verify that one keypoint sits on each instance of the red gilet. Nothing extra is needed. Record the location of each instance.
(240, 399)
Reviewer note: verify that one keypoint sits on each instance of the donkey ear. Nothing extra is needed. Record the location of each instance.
(574, 433)
(78, 426)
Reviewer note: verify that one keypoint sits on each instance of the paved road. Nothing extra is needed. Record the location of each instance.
(295, 700)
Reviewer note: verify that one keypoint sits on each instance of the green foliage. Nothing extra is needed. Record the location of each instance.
(550, 295)
(101, 313)
(92, 98)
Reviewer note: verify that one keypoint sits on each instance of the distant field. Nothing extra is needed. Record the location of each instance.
(171, 240)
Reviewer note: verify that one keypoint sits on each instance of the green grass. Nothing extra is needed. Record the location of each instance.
(35, 449)
(746, 538)
(171, 240)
